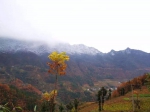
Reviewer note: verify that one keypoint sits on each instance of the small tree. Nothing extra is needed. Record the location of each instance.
(61, 107)
(122, 91)
(57, 66)
(101, 94)
(109, 94)
(76, 104)
(148, 81)
(137, 101)
(69, 106)
(48, 101)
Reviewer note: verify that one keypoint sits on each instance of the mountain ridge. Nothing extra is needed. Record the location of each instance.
(40, 47)
(88, 54)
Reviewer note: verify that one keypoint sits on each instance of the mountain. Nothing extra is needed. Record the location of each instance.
(37, 47)
(84, 61)
(26, 60)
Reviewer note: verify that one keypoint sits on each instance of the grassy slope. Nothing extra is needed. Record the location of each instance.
(123, 103)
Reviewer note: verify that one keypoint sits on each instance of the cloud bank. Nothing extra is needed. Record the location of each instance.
(103, 24)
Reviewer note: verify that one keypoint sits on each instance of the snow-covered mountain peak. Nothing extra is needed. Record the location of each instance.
(13, 45)
(76, 49)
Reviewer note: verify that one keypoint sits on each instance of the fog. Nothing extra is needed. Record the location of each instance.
(105, 25)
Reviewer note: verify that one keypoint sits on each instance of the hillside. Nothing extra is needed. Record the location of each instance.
(138, 94)
(122, 103)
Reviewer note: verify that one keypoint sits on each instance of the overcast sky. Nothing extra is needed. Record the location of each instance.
(103, 24)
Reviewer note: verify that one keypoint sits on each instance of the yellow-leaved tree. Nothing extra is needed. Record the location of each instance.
(57, 66)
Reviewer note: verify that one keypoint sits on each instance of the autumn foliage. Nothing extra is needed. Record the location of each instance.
(27, 87)
(58, 65)
(48, 96)
(126, 87)
(14, 97)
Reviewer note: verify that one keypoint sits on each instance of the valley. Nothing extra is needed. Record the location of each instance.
(23, 66)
